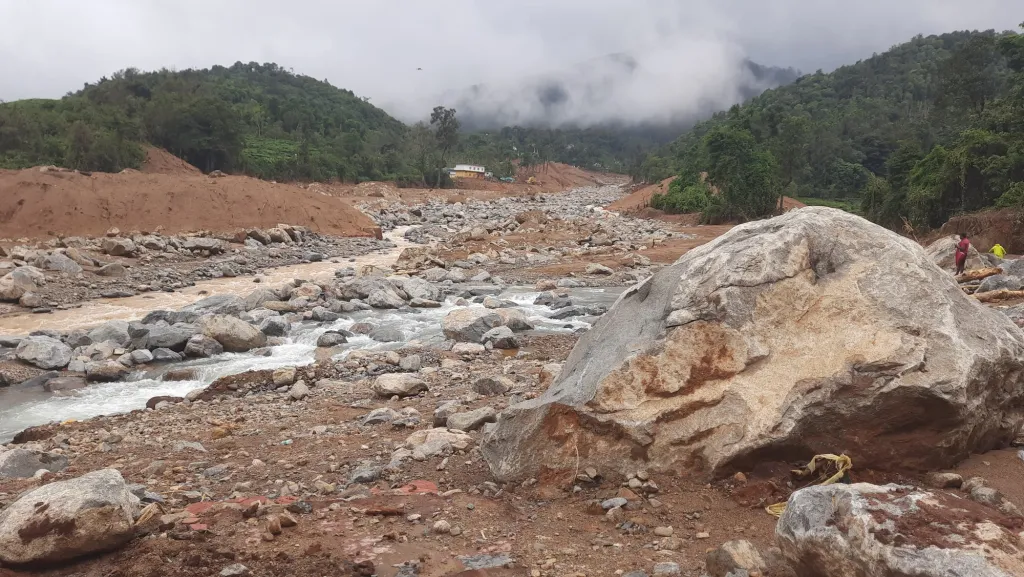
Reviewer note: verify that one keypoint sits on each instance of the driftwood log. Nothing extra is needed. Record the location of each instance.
(999, 295)
(978, 274)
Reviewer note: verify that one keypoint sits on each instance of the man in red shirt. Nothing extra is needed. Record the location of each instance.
(961, 252)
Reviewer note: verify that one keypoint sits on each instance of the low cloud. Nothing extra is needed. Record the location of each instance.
(530, 61)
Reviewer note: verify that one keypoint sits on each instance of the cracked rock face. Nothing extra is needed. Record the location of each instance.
(813, 332)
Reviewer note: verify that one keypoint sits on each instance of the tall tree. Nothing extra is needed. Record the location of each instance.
(446, 131)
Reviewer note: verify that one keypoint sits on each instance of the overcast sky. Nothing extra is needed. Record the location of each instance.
(374, 47)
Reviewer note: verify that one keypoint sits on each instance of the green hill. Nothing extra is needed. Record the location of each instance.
(925, 130)
(255, 118)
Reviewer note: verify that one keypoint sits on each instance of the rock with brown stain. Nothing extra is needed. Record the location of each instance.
(813, 332)
(861, 529)
(68, 519)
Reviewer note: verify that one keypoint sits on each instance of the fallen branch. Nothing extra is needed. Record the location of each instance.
(999, 295)
(978, 274)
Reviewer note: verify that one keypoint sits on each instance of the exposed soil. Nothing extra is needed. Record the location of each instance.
(42, 202)
(986, 228)
(640, 198)
(159, 161)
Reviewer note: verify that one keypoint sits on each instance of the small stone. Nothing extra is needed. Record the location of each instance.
(287, 520)
(284, 376)
(642, 475)
(236, 570)
(663, 531)
(274, 525)
(456, 531)
(613, 503)
(413, 518)
(442, 527)
(667, 569)
(945, 480)
(635, 484)
(703, 535)
(591, 472)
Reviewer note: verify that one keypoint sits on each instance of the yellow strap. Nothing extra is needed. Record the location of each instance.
(843, 463)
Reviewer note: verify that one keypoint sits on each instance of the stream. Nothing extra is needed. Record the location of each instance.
(22, 407)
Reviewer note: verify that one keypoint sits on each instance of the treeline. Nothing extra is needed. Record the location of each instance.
(927, 130)
(265, 121)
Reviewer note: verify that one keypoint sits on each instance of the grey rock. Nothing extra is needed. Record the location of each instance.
(418, 288)
(170, 337)
(94, 513)
(236, 336)
(472, 420)
(501, 338)
(235, 570)
(364, 474)
(411, 363)
(60, 263)
(445, 410)
(141, 357)
(424, 304)
(163, 355)
(298, 391)
(398, 384)
(331, 339)
(468, 325)
(119, 247)
(275, 326)
(845, 526)
(105, 371)
(384, 299)
(44, 352)
(734, 556)
(62, 384)
(23, 463)
(217, 305)
(666, 569)
(756, 310)
(609, 504)
(113, 332)
(379, 416)
(492, 386)
(1001, 282)
(383, 335)
(112, 270)
(322, 315)
(202, 346)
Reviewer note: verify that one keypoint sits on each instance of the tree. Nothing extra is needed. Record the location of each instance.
(969, 77)
(791, 147)
(446, 132)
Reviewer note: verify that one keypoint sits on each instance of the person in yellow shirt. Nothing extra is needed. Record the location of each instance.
(998, 250)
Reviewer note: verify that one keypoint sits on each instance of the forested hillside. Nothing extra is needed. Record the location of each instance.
(926, 130)
(255, 118)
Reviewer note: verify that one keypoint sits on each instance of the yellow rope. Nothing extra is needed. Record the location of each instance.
(842, 463)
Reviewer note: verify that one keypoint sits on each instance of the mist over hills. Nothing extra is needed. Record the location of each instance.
(616, 91)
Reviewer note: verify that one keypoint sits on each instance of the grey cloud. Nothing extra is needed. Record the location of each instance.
(687, 53)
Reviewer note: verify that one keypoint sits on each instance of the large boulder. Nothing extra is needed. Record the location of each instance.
(172, 337)
(111, 331)
(23, 463)
(105, 371)
(19, 281)
(1001, 282)
(781, 339)
(218, 305)
(943, 253)
(58, 262)
(469, 325)
(418, 288)
(46, 353)
(236, 336)
(203, 244)
(893, 531)
(384, 299)
(68, 519)
(119, 247)
(398, 385)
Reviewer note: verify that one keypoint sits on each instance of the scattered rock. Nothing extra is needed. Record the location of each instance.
(284, 376)
(398, 384)
(468, 325)
(734, 555)
(299, 391)
(23, 463)
(202, 346)
(472, 420)
(68, 519)
(47, 353)
(236, 336)
(492, 386)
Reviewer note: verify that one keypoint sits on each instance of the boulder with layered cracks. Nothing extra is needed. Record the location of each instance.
(813, 332)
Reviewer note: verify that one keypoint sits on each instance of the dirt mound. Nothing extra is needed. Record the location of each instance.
(159, 161)
(789, 204)
(640, 198)
(987, 228)
(555, 176)
(45, 202)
